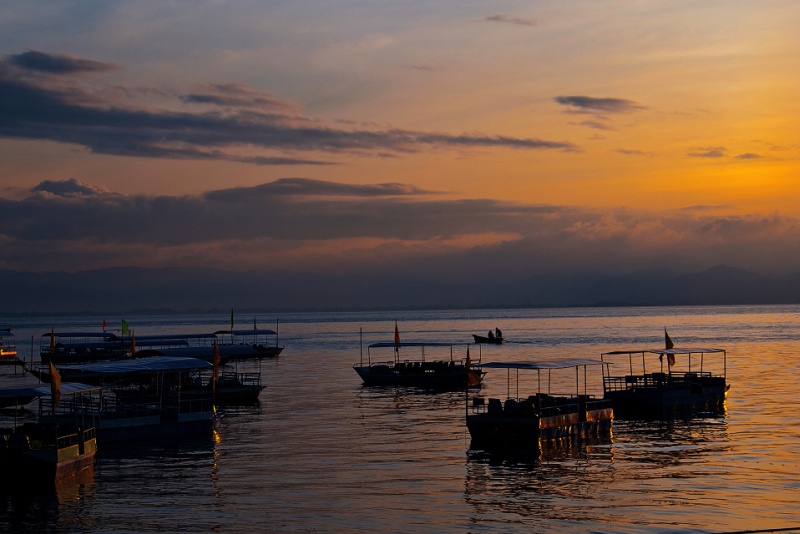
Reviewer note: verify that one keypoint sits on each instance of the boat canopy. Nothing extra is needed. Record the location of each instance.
(86, 334)
(170, 337)
(154, 364)
(561, 364)
(413, 344)
(674, 351)
(246, 332)
(24, 395)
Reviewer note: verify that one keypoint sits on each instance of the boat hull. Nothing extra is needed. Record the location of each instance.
(426, 375)
(488, 340)
(29, 459)
(667, 400)
(519, 427)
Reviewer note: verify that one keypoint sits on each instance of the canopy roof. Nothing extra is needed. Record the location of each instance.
(412, 344)
(25, 394)
(154, 364)
(691, 350)
(561, 364)
(84, 334)
(250, 332)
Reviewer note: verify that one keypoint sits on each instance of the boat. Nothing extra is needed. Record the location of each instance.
(72, 347)
(8, 347)
(419, 370)
(543, 416)
(248, 344)
(54, 446)
(666, 383)
(146, 398)
(495, 338)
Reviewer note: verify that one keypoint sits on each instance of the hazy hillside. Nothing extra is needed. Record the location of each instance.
(179, 289)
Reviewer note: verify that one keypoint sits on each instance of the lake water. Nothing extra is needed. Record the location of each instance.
(322, 453)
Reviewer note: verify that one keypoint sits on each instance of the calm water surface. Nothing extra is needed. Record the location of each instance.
(321, 453)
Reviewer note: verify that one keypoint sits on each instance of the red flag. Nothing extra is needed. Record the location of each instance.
(667, 340)
(105, 324)
(473, 379)
(133, 345)
(55, 385)
(396, 334)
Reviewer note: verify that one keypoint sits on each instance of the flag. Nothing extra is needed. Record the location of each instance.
(668, 345)
(472, 377)
(124, 327)
(231, 318)
(55, 385)
(667, 340)
(52, 340)
(396, 339)
(133, 345)
(254, 324)
(105, 324)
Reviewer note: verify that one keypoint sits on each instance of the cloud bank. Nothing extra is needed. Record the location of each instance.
(70, 225)
(39, 100)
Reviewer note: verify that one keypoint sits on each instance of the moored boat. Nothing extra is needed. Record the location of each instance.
(248, 344)
(525, 422)
(72, 347)
(666, 383)
(419, 370)
(54, 446)
(146, 398)
(8, 346)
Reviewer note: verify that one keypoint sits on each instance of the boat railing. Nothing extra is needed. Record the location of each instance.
(538, 405)
(653, 380)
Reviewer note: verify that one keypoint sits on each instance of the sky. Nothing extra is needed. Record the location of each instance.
(342, 136)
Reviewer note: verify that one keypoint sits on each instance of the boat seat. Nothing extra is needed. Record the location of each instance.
(495, 406)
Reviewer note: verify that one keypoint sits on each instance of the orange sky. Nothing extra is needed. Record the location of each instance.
(682, 115)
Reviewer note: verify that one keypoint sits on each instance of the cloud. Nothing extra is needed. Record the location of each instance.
(631, 152)
(34, 60)
(71, 225)
(238, 121)
(512, 20)
(708, 152)
(749, 155)
(587, 104)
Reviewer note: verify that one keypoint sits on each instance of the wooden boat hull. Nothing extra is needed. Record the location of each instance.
(427, 375)
(32, 460)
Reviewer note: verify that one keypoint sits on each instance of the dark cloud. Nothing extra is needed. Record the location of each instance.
(58, 63)
(749, 155)
(71, 225)
(629, 152)
(512, 20)
(239, 117)
(587, 104)
(708, 152)
(597, 125)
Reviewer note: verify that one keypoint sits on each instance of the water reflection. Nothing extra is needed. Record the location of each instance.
(26, 506)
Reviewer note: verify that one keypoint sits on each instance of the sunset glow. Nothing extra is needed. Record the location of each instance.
(344, 135)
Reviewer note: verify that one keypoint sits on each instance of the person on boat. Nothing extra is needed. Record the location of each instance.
(491, 335)
(498, 333)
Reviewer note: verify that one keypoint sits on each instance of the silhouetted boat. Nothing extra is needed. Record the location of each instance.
(73, 347)
(523, 422)
(419, 370)
(665, 383)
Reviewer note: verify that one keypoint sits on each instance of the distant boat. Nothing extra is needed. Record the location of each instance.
(418, 369)
(71, 347)
(8, 346)
(55, 447)
(495, 337)
(525, 422)
(666, 383)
